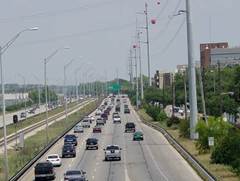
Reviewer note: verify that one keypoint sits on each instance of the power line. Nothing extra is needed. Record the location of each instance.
(55, 13)
(163, 30)
(74, 35)
(164, 50)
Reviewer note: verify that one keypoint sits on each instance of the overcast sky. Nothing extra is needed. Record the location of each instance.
(101, 31)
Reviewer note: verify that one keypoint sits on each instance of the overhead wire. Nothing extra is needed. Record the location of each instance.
(168, 45)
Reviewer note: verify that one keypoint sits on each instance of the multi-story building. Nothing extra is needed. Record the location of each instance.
(182, 68)
(205, 52)
(225, 57)
(163, 79)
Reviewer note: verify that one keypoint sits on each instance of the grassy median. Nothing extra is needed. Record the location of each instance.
(35, 143)
(221, 172)
(34, 119)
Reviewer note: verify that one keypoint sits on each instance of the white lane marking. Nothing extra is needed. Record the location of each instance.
(93, 177)
(95, 170)
(150, 152)
(125, 163)
(69, 165)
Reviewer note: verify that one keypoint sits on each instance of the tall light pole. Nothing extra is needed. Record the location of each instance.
(39, 92)
(191, 75)
(46, 60)
(2, 50)
(64, 85)
(148, 46)
(136, 71)
(140, 64)
(24, 92)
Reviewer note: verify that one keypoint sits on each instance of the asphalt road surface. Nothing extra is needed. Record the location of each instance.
(153, 159)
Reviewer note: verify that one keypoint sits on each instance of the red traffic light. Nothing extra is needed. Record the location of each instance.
(134, 46)
(158, 3)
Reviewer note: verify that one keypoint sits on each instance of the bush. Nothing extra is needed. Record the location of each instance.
(216, 128)
(169, 123)
(184, 128)
(153, 112)
(227, 149)
(161, 116)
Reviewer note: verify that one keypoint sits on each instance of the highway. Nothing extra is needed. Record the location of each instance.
(153, 159)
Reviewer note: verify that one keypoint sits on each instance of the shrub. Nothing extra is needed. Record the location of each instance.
(216, 128)
(227, 149)
(184, 128)
(153, 112)
(161, 116)
(169, 123)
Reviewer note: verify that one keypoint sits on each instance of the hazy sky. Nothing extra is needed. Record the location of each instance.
(101, 31)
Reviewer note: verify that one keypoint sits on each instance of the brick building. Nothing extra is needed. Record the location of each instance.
(205, 52)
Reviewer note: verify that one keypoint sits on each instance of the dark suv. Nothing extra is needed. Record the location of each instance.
(130, 127)
(68, 150)
(70, 139)
(91, 143)
(44, 171)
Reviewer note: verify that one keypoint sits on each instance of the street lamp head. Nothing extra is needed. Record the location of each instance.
(33, 29)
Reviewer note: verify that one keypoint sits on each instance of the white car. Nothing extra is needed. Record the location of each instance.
(98, 112)
(92, 118)
(78, 129)
(54, 159)
(116, 119)
(112, 152)
(100, 121)
(86, 123)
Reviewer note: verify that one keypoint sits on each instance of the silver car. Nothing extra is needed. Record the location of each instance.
(78, 129)
(75, 175)
(112, 152)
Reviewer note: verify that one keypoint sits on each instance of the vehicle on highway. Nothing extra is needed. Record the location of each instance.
(112, 152)
(97, 129)
(68, 151)
(126, 111)
(100, 122)
(116, 119)
(92, 143)
(78, 129)
(104, 116)
(75, 175)
(98, 112)
(89, 118)
(130, 127)
(92, 118)
(138, 136)
(23, 115)
(118, 100)
(86, 123)
(54, 159)
(117, 108)
(71, 139)
(44, 171)
(115, 113)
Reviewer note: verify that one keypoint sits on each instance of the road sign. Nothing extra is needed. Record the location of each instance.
(114, 87)
(210, 141)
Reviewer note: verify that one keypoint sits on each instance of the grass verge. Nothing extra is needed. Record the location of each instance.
(34, 144)
(34, 119)
(221, 172)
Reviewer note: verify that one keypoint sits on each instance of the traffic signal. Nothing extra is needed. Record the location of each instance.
(15, 119)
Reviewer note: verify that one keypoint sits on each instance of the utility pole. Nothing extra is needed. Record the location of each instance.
(136, 71)
(46, 96)
(140, 64)
(148, 46)
(202, 96)
(173, 96)
(131, 69)
(185, 94)
(191, 75)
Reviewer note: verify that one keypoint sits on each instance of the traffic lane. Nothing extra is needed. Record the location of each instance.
(164, 160)
(66, 162)
(136, 162)
(93, 160)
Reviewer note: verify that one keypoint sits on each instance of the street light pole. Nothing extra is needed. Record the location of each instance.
(46, 97)
(140, 65)
(148, 46)
(4, 121)
(65, 88)
(191, 75)
(2, 50)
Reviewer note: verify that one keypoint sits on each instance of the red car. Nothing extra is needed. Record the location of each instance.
(97, 129)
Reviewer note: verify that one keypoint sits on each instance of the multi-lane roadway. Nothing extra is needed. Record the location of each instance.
(153, 159)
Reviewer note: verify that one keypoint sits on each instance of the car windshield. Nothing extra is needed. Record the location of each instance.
(73, 172)
(112, 147)
(52, 156)
(130, 125)
(92, 141)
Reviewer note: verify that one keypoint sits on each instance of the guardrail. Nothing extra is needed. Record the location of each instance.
(203, 172)
(42, 152)
(34, 126)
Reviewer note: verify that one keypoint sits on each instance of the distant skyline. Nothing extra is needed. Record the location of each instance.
(102, 31)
